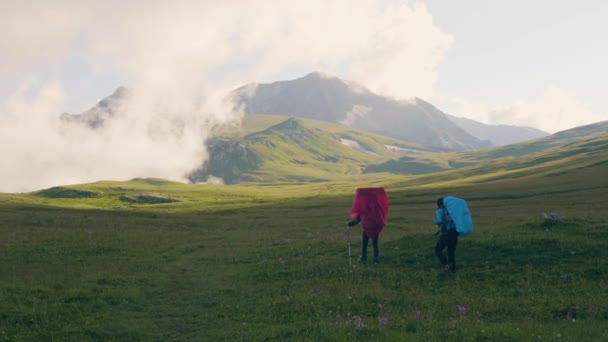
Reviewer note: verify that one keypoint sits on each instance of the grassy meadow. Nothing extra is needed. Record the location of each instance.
(270, 262)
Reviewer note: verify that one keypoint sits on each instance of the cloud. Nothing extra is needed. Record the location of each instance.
(402, 55)
(554, 109)
(147, 137)
(181, 58)
(392, 46)
(358, 111)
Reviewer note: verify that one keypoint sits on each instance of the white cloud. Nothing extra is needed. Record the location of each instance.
(553, 110)
(150, 138)
(358, 111)
(401, 57)
(181, 57)
(390, 45)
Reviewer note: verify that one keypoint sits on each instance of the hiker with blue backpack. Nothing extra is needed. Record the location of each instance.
(453, 218)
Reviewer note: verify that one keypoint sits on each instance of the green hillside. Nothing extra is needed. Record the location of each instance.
(558, 139)
(275, 148)
(270, 261)
(270, 148)
(590, 138)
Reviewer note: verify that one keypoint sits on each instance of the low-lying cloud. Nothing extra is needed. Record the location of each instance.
(553, 110)
(181, 59)
(150, 135)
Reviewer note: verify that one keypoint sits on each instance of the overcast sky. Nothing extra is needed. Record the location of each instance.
(539, 63)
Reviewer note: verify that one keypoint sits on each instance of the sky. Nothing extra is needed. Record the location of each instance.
(535, 63)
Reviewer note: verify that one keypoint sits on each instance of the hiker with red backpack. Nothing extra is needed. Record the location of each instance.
(370, 208)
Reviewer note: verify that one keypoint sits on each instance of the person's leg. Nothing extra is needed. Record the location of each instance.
(376, 250)
(452, 242)
(441, 244)
(365, 240)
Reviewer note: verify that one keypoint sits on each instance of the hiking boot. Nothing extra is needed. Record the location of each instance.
(445, 267)
(362, 259)
(376, 260)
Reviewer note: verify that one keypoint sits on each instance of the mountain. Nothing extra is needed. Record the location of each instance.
(102, 111)
(498, 135)
(322, 97)
(270, 148)
(317, 96)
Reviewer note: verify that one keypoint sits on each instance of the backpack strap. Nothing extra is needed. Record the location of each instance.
(448, 223)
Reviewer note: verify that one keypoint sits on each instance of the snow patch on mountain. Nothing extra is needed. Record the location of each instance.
(402, 150)
(356, 146)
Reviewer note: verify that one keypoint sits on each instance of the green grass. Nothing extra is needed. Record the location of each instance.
(270, 261)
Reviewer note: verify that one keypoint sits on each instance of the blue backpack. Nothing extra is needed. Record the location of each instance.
(459, 212)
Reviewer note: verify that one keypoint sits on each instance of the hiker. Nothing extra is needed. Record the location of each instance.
(370, 208)
(448, 236)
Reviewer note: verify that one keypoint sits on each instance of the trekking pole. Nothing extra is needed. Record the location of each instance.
(350, 259)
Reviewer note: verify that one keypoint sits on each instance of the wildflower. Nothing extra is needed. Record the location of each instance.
(383, 321)
(452, 322)
(358, 322)
(461, 309)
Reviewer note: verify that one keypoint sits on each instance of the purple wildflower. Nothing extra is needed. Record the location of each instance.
(461, 309)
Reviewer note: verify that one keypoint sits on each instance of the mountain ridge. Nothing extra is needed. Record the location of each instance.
(499, 135)
(468, 134)
(327, 98)
(295, 148)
